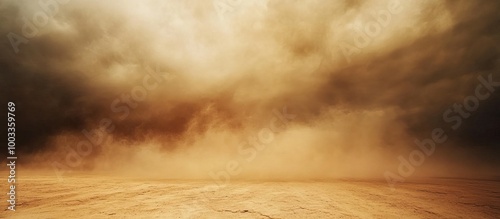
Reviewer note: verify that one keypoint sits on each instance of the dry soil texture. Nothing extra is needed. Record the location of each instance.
(91, 196)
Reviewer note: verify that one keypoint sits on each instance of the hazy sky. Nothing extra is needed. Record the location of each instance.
(184, 87)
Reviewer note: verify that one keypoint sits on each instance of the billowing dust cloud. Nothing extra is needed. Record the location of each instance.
(268, 89)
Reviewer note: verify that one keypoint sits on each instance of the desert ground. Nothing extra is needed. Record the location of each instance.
(97, 196)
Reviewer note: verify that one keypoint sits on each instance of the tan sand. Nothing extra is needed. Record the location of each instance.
(91, 196)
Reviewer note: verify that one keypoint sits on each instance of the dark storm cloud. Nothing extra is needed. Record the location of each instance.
(52, 93)
(90, 54)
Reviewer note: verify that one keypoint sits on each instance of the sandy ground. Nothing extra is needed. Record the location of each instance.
(91, 196)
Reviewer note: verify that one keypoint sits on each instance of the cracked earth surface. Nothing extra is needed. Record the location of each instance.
(90, 196)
